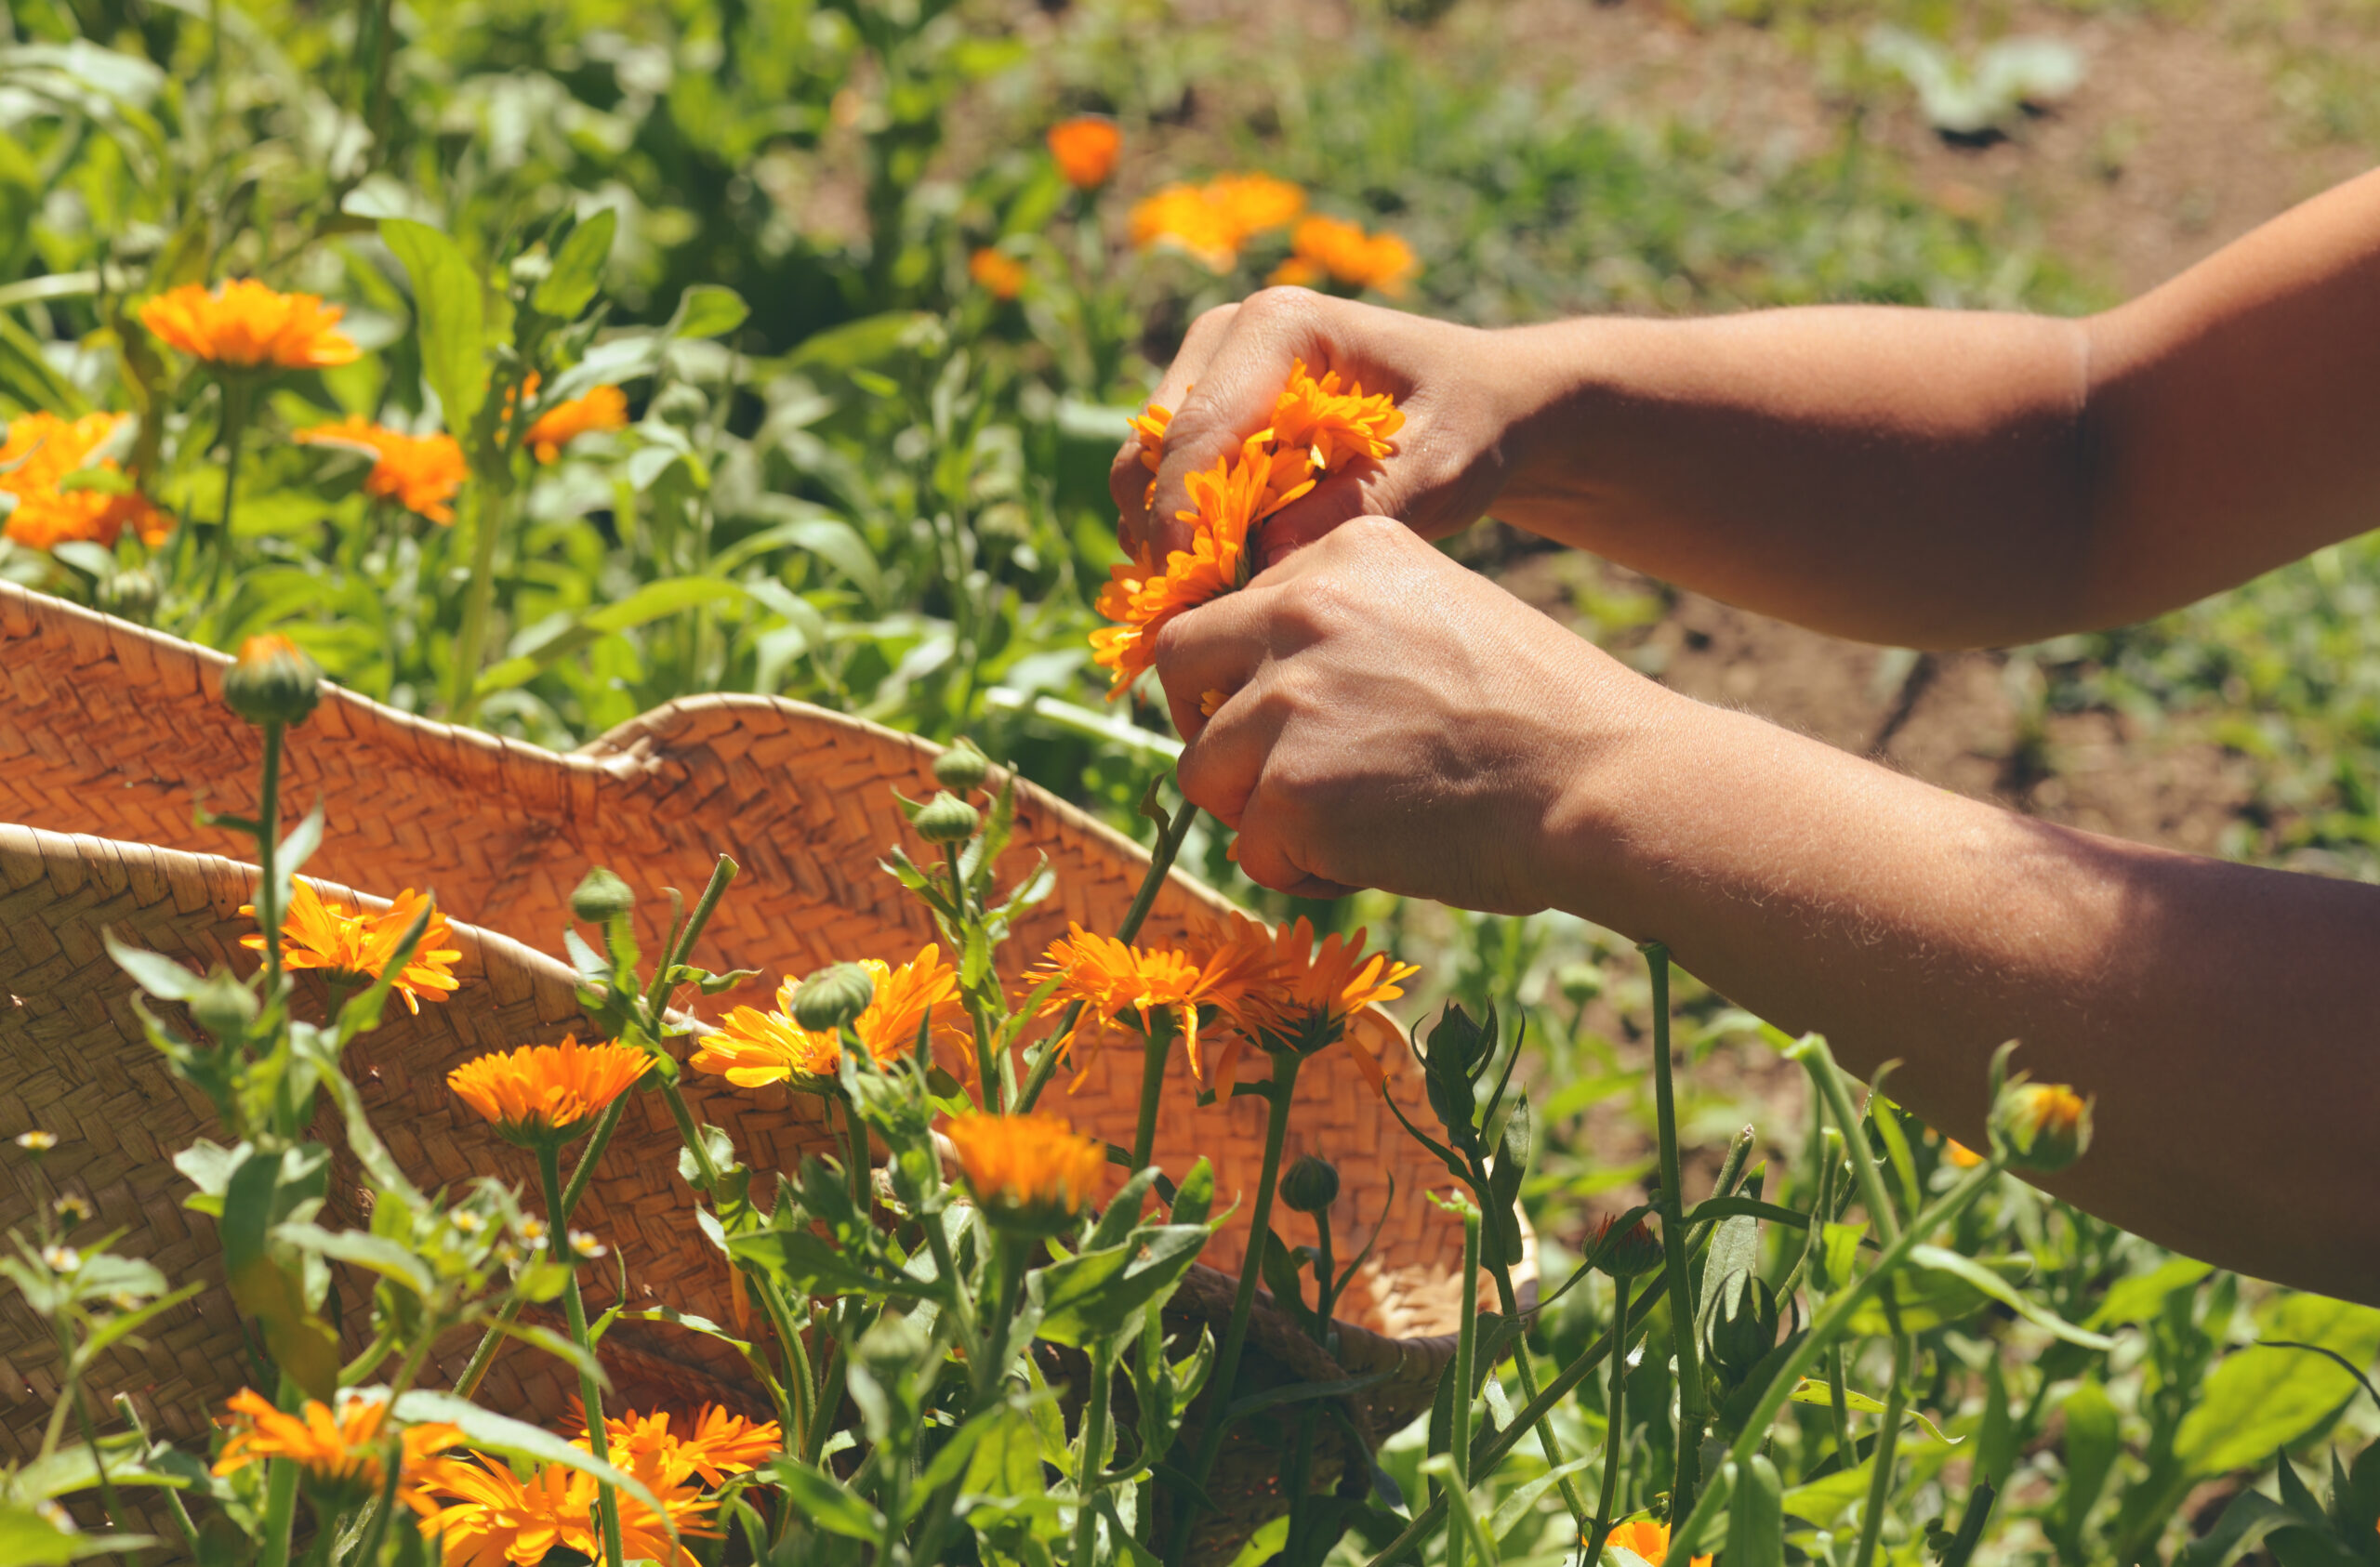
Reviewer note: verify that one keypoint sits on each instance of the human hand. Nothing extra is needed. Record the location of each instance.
(1460, 397)
(1394, 721)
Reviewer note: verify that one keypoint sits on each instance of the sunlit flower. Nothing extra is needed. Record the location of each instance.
(1313, 991)
(1326, 248)
(1647, 1539)
(36, 461)
(1334, 428)
(1086, 148)
(60, 1260)
(714, 1444)
(359, 946)
(338, 1449)
(753, 1047)
(1150, 425)
(482, 1516)
(584, 1243)
(1030, 1171)
(245, 325)
(1959, 1154)
(1135, 988)
(74, 1206)
(603, 408)
(1210, 222)
(547, 1091)
(419, 472)
(36, 1141)
(997, 274)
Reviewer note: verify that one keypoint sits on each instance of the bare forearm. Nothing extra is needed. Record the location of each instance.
(2224, 1016)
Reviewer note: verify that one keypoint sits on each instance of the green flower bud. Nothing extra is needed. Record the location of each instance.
(602, 898)
(832, 997)
(1580, 982)
(1624, 1254)
(130, 594)
(2041, 1127)
(1311, 1185)
(961, 768)
(946, 819)
(273, 682)
(224, 1006)
(1743, 1326)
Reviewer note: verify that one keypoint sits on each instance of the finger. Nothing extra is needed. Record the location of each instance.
(1222, 765)
(1234, 394)
(1273, 854)
(1217, 647)
(1128, 477)
(1338, 499)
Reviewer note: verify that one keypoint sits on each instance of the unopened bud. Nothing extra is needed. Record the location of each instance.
(1580, 982)
(1743, 1326)
(130, 594)
(1624, 1254)
(2041, 1127)
(832, 997)
(946, 819)
(961, 768)
(224, 1006)
(1311, 1185)
(602, 898)
(273, 682)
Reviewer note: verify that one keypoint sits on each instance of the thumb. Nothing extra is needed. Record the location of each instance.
(1233, 399)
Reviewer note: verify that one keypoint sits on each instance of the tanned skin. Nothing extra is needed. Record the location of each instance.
(1918, 478)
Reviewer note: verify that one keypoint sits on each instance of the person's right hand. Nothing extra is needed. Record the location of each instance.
(1460, 404)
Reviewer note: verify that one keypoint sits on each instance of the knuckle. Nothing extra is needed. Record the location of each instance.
(1283, 304)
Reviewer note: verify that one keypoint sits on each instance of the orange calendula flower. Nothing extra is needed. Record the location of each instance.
(419, 472)
(1334, 428)
(753, 1047)
(1314, 992)
(244, 325)
(603, 408)
(1086, 148)
(337, 1448)
(714, 1444)
(1649, 1540)
(1959, 1154)
(359, 946)
(1028, 1171)
(1326, 247)
(483, 1516)
(38, 458)
(997, 274)
(547, 1091)
(1133, 988)
(1212, 223)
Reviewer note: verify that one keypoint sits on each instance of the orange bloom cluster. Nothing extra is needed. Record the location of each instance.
(1649, 1540)
(754, 1047)
(997, 274)
(41, 451)
(1319, 426)
(1031, 1167)
(361, 945)
(1212, 223)
(483, 1515)
(1133, 988)
(544, 1091)
(1086, 148)
(603, 408)
(338, 1448)
(419, 472)
(1326, 247)
(244, 325)
(1312, 995)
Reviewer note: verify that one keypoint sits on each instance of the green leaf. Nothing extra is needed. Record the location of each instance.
(706, 309)
(1809, 1389)
(816, 1265)
(491, 1432)
(857, 342)
(1099, 1293)
(2140, 1297)
(1999, 1289)
(27, 1540)
(451, 313)
(1756, 1514)
(153, 972)
(2094, 1438)
(653, 600)
(823, 1502)
(2260, 1401)
(579, 268)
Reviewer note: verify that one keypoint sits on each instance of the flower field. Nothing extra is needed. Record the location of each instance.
(529, 369)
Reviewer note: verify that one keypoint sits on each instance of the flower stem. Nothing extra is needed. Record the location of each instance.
(1219, 1386)
(487, 517)
(235, 426)
(280, 1503)
(1154, 1049)
(1091, 1472)
(1466, 1355)
(590, 1393)
(1692, 1397)
(1615, 1436)
(268, 899)
(1880, 1484)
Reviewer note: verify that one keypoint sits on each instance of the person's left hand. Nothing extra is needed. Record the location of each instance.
(1394, 721)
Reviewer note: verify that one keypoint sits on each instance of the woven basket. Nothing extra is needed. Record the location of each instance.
(117, 733)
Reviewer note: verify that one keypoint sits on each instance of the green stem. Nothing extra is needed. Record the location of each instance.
(487, 517)
(1090, 1474)
(1816, 1059)
(235, 428)
(1830, 1321)
(1219, 1386)
(1155, 1047)
(1615, 1437)
(1548, 1444)
(1466, 1358)
(270, 902)
(1692, 1397)
(590, 1392)
(1880, 1483)
(855, 1142)
(280, 1503)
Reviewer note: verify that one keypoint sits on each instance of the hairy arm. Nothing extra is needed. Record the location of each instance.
(1924, 478)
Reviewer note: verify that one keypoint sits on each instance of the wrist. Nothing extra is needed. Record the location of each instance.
(1602, 826)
